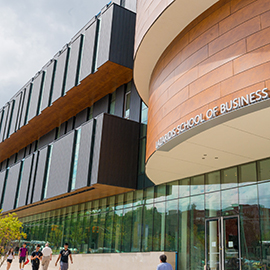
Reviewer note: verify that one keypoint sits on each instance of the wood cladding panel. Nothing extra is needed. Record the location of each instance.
(103, 82)
(217, 58)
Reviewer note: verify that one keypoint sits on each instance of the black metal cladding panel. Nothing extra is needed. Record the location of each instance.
(119, 101)
(47, 138)
(38, 183)
(2, 180)
(135, 104)
(101, 106)
(59, 76)
(24, 105)
(118, 159)
(32, 178)
(11, 187)
(97, 145)
(105, 36)
(122, 37)
(15, 114)
(35, 96)
(25, 180)
(84, 155)
(73, 63)
(88, 51)
(60, 166)
(3, 123)
(70, 124)
(47, 86)
(81, 117)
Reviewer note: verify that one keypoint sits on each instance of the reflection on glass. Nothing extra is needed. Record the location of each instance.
(126, 230)
(229, 202)
(212, 204)
(197, 185)
(197, 228)
(172, 190)
(249, 226)
(231, 244)
(138, 198)
(212, 181)
(149, 195)
(137, 229)
(160, 193)
(247, 174)
(184, 233)
(128, 199)
(119, 202)
(108, 232)
(212, 244)
(229, 178)
(117, 230)
(264, 170)
(171, 236)
(265, 219)
(184, 190)
(147, 228)
(159, 227)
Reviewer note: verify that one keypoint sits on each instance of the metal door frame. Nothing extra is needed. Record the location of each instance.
(221, 239)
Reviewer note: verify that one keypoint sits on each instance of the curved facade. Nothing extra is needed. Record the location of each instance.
(220, 59)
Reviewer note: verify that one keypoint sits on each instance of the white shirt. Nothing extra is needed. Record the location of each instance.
(47, 251)
(10, 256)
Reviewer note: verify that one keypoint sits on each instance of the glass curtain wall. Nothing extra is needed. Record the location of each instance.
(168, 217)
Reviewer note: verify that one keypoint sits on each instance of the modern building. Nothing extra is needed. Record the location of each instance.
(79, 163)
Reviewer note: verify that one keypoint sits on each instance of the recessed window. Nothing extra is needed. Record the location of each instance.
(127, 101)
(112, 103)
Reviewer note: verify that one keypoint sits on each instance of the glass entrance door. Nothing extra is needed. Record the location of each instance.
(222, 243)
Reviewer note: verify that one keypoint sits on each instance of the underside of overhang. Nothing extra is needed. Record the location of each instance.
(103, 82)
(162, 32)
(83, 195)
(235, 138)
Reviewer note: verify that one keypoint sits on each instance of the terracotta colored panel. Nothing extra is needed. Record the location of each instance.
(245, 14)
(265, 18)
(246, 79)
(209, 21)
(234, 35)
(238, 4)
(201, 41)
(258, 39)
(176, 100)
(252, 59)
(211, 78)
(222, 57)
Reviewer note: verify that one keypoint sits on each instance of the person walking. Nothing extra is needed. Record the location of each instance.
(47, 256)
(64, 255)
(10, 257)
(36, 257)
(163, 264)
(23, 254)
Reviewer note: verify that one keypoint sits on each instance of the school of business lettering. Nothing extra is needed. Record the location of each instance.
(234, 104)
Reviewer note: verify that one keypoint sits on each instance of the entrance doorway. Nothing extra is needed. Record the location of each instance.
(222, 243)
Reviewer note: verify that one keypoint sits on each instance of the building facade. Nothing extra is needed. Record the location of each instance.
(149, 133)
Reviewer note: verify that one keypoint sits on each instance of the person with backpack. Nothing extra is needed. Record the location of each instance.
(36, 257)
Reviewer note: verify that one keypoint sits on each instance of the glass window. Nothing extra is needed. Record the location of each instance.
(229, 201)
(127, 101)
(149, 195)
(111, 203)
(172, 190)
(90, 116)
(138, 197)
(247, 174)
(171, 235)
(127, 230)
(184, 190)
(159, 227)
(160, 193)
(117, 230)
(212, 204)
(229, 178)
(108, 232)
(265, 219)
(249, 225)
(47, 170)
(128, 199)
(119, 201)
(212, 181)
(197, 185)
(112, 103)
(76, 158)
(197, 230)
(137, 230)
(147, 228)
(264, 170)
(144, 113)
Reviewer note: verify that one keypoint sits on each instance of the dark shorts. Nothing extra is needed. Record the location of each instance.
(63, 266)
(35, 266)
(22, 259)
(8, 260)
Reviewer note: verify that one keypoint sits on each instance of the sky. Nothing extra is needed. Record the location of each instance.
(32, 32)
